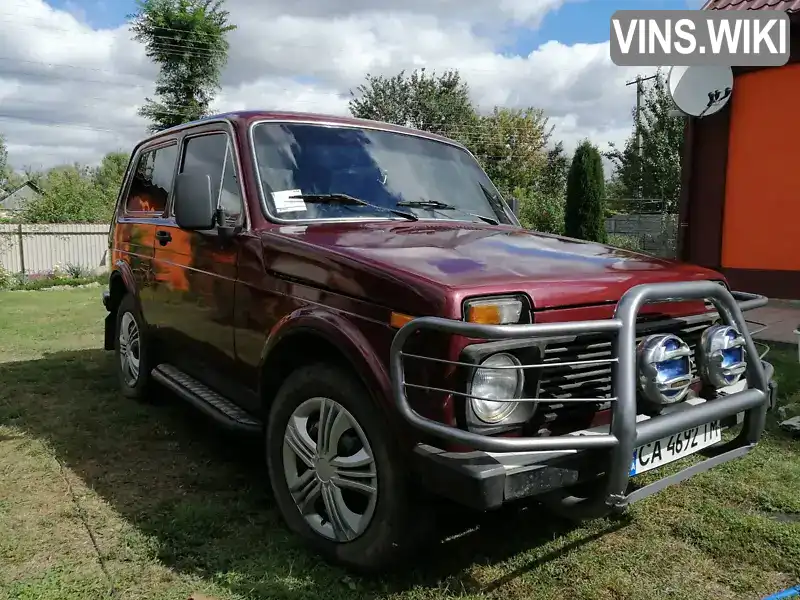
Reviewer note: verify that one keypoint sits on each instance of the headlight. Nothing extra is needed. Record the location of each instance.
(721, 356)
(494, 311)
(493, 384)
(665, 370)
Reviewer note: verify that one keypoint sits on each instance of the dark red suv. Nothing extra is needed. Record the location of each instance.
(361, 295)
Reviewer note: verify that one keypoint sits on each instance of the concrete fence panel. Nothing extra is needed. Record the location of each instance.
(28, 248)
(653, 233)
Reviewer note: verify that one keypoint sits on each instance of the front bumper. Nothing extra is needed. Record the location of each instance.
(502, 469)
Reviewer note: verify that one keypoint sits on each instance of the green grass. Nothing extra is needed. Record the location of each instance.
(105, 498)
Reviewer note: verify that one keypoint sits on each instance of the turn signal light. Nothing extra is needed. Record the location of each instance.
(397, 320)
(494, 311)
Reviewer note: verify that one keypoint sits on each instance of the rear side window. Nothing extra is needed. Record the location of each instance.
(214, 155)
(152, 180)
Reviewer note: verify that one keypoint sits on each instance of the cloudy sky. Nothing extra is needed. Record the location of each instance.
(71, 77)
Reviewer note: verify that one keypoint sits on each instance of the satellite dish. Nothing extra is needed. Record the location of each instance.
(700, 91)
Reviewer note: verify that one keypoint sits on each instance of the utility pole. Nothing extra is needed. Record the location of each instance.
(638, 125)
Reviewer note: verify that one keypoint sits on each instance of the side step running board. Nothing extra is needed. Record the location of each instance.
(219, 408)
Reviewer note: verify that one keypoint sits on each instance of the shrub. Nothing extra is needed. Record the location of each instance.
(584, 213)
(7, 278)
(540, 212)
(627, 242)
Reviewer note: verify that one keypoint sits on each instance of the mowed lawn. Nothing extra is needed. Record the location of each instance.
(104, 498)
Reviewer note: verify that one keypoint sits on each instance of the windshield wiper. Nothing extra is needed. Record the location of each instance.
(436, 205)
(493, 199)
(347, 200)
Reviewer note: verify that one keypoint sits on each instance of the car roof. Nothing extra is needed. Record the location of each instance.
(247, 117)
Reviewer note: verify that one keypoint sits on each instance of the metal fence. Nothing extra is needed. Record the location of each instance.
(28, 249)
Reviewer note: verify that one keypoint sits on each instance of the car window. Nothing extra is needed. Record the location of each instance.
(214, 155)
(382, 167)
(152, 180)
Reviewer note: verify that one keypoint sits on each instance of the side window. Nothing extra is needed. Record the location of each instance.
(152, 180)
(214, 155)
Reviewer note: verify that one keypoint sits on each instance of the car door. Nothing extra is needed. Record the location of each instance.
(143, 205)
(196, 271)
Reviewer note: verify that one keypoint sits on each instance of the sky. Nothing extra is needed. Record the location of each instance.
(72, 78)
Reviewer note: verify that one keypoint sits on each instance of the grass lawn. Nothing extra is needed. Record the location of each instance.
(104, 498)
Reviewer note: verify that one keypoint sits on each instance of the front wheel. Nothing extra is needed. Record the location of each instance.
(336, 475)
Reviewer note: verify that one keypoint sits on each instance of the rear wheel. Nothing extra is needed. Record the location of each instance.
(337, 477)
(133, 366)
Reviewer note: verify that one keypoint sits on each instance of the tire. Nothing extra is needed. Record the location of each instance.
(388, 527)
(129, 319)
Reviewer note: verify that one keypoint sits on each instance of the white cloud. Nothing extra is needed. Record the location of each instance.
(70, 93)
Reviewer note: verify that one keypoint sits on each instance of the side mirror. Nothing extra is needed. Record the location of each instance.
(195, 208)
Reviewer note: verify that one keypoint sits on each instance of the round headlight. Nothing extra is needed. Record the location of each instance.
(721, 356)
(496, 384)
(665, 370)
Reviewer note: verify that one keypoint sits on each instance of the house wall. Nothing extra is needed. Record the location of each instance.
(762, 199)
(737, 180)
(17, 200)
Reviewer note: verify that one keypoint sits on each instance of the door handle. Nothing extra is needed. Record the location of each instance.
(163, 237)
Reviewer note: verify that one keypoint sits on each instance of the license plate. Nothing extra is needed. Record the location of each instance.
(672, 448)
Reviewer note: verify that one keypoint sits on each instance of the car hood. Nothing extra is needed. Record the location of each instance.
(466, 259)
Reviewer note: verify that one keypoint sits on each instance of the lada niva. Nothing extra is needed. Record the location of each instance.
(361, 296)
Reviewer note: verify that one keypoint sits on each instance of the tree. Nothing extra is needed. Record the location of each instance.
(542, 205)
(510, 144)
(68, 196)
(108, 176)
(657, 174)
(584, 215)
(553, 181)
(436, 103)
(187, 38)
(5, 169)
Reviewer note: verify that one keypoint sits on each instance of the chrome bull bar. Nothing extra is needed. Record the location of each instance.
(625, 435)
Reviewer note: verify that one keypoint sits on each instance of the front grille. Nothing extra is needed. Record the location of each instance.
(594, 381)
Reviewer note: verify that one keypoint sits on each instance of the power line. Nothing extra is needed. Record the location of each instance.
(638, 123)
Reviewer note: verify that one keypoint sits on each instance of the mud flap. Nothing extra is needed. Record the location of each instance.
(109, 331)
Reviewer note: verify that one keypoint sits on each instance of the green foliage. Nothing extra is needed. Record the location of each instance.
(584, 213)
(187, 39)
(509, 144)
(69, 196)
(5, 170)
(542, 205)
(657, 174)
(7, 278)
(540, 212)
(49, 280)
(553, 181)
(627, 242)
(436, 103)
(77, 193)
(108, 176)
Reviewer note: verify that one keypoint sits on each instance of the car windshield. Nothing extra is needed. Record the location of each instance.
(428, 178)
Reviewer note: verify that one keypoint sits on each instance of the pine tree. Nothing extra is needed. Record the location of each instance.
(584, 214)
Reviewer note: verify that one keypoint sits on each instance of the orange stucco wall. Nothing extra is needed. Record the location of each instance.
(761, 227)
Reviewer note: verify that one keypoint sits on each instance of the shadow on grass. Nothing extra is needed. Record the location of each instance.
(200, 502)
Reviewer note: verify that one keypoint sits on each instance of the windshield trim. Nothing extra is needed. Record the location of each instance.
(377, 127)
